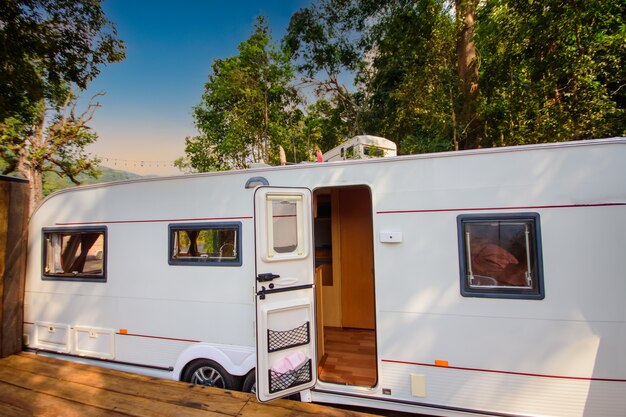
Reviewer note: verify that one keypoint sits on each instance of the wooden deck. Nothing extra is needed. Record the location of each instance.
(35, 385)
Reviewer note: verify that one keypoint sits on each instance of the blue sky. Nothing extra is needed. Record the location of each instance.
(146, 112)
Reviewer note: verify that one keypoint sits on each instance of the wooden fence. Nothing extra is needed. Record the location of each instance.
(14, 194)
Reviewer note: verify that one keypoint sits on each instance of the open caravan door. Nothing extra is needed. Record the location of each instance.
(285, 292)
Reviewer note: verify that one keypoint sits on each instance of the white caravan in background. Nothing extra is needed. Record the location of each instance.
(361, 147)
(485, 282)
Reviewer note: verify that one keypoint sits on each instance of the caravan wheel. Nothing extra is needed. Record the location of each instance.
(249, 384)
(209, 373)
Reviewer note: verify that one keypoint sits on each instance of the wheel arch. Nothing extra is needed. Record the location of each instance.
(236, 360)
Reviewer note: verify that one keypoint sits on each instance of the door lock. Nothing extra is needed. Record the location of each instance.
(261, 293)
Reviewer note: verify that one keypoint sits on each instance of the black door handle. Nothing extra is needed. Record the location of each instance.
(266, 277)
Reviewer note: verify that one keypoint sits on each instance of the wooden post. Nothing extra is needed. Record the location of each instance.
(14, 199)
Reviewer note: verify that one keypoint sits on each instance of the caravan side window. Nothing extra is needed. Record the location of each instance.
(76, 254)
(216, 244)
(500, 256)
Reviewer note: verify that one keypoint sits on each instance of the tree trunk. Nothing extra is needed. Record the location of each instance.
(35, 181)
(455, 129)
(36, 190)
(468, 74)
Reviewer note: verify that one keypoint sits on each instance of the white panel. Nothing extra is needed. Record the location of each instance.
(507, 393)
(561, 348)
(149, 351)
(94, 342)
(53, 336)
(156, 316)
(390, 237)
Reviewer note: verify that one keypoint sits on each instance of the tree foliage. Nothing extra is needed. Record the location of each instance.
(325, 41)
(403, 56)
(552, 70)
(437, 75)
(48, 49)
(249, 108)
(46, 44)
(413, 86)
(431, 75)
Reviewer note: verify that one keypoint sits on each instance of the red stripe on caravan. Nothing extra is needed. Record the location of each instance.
(159, 337)
(500, 208)
(495, 371)
(155, 220)
(147, 336)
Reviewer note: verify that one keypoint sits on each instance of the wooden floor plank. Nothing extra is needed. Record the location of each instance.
(295, 409)
(37, 386)
(11, 410)
(100, 398)
(8, 410)
(201, 397)
(17, 402)
(66, 364)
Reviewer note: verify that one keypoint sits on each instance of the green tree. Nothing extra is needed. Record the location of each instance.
(414, 67)
(325, 125)
(47, 49)
(413, 82)
(552, 70)
(438, 75)
(249, 108)
(325, 41)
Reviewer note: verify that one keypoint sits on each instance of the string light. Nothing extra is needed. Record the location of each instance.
(134, 163)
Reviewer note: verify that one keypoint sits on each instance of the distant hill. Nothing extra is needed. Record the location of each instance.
(52, 182)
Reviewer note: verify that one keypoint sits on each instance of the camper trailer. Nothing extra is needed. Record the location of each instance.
(361, 147)
(485, 282)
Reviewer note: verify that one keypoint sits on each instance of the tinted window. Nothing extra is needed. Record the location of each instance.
(500, 255)
(78, 254)
(205, 244)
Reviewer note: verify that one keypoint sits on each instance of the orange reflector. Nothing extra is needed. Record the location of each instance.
(123, 331)
(439, 362)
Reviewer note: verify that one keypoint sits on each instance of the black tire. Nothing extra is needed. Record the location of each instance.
(249, 384)
(208, 373)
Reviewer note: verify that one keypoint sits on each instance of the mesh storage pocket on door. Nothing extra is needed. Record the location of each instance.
(281, 381)
(279, 340)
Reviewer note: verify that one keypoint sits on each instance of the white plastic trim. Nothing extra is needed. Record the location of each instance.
(236, 360)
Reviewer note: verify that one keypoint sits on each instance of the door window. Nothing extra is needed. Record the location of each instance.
(285, 226)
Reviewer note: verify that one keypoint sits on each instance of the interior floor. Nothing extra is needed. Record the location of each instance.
(350, 357)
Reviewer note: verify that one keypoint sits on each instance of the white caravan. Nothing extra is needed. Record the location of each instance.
(485, 282)
(361, 147)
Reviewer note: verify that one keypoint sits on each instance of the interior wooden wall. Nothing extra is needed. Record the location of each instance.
(332, 293)
(14, 196)
(357, 267)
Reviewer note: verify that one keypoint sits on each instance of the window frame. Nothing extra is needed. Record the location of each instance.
(74, 230)
(537, 291)
(199, 261)
(302, 248)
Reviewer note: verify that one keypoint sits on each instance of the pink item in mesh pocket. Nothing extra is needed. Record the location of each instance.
(289, 362)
